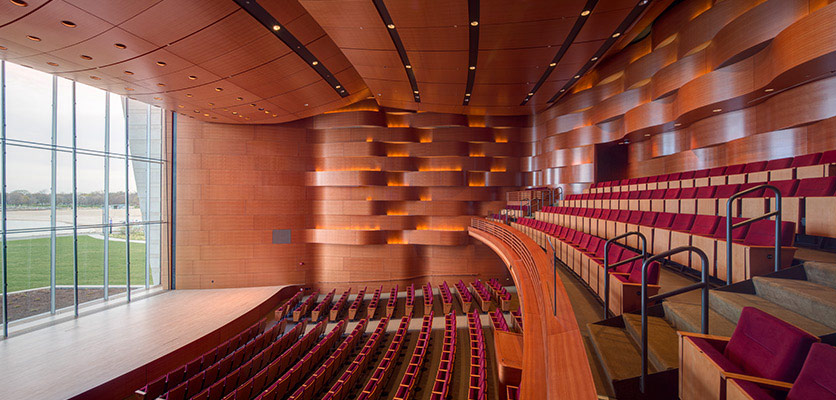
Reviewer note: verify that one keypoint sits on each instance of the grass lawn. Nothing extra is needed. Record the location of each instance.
(29, 262)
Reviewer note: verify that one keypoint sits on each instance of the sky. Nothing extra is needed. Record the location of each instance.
(29, 114)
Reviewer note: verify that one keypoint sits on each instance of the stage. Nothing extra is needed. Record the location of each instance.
(110, 353)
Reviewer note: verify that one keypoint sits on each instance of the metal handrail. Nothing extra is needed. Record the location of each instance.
(729, 226)
(554, 271)
(607, 265)
(703, 284)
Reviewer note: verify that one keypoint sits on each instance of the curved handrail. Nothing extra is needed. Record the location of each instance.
(729, 226)
(703, 284)
(607, 265)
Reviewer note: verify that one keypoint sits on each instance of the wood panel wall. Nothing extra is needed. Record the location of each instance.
(714, 83)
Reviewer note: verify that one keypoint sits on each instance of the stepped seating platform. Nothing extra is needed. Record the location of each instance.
(304, 307)
(428, 297)
(464, 296)
(323, 306)
(338, 307)
(441, 385)
(483, 296)
(406, 387)
(356, 304)
(446, 297)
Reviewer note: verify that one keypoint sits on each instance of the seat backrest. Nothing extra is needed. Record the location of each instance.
(635, 217)
(664, 220)
(762, 233)
(688, 193)
(623, 215)
(648, 218)
(672, 193)
(717, 171)
(703, 173)
(778, 163)
(828, 157)
(737, 234)
(643, 179)
(768, 347)
(735, 169)
(787, 188)
(632, 181)
(817, 379)
(726, 191)
(705, 225)
(687, 175)
(682, 222)
(706, 192)
(652, 273)
(805, 160)
(816, 187)
(657, 194)
(597, 213)
(756, 166)
(756, 193)
(584, 242)
(615, 253)
(634, 195)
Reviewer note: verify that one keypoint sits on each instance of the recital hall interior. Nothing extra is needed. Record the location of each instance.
(418, 199)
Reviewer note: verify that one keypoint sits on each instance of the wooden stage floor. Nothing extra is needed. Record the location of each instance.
(69, 358)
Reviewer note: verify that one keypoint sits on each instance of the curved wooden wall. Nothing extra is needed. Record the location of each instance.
(712, 84)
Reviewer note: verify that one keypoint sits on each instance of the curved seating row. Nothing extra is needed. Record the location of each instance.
(518, 321)
(584, 254)
(374, 386)
(464, 296)
(753, 245)
(392, 303)
(302, 309)
(288, 306)
(498, 321)
(477, 386)
(356, 304)
(441, 385)
(323, 306)
(373, 303)
(410, 299)
(338, 307)
(499, 294)
(446, 297)
(483, 296)
(342, 388)
(410, 377)
(428, 297)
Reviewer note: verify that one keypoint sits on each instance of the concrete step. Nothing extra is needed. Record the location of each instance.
(729, 305)
(662, 340)
(618, 353)
(810, 299)
(688, 317)
(821, 273)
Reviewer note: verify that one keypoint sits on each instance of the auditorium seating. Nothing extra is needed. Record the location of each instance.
(357, 304)
(302, 309)
(446, 297)
(464, 296)
(392, 303)
(518, 322)
(441, 385)
(373, 303)
(337, 309)
(407, 386)
(428, 297)
(477, 386)
(762, 346)
(483, 296)
(373, 387)
(410, 299)
(499, 294)
(498, 321)
(323, 306)
(817, 380)
(343, 387)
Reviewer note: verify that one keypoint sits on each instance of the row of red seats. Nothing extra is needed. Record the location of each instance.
(184, 372)
(464, 296)
(372, 308)
(302, 309)
(392, 303)
(297, 373)
(374, 386)
(410, 299)
(446, 297)
(356, 304)
(441, 386)
(498, 320)
(752, 244)
(483, 296)
(786, 168)
(428, 297)
(323, 306)
(410, 377)
(345, 383)
(478, 383)
(289, 305)
(584, 254)
(765, 358)
(339, 305)
(518, 321)
(317, 380)
(500, 294)
(200, 383)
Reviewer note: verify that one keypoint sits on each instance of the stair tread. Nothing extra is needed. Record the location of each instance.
(662, 340)
(739, 300)
(618, 353)
(687, 317)
(810, 299)
(821, 273)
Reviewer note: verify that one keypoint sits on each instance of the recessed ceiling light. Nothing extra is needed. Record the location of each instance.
(562, 90)
(338, 86)
(205, 115)
(158, 98)
(315, 63)
(128, 72)
(276, 27)
(617, 34)
(235, 113)
(261, 109)
(408, 66)
(95, 78)
(68, 24)
(252, 104)
(553, 64)
(86, 57)
(192, 77)
(584, 13)
(768, 90)
(472, 67)
(577, 76)
(717, 110)
(129, 89)
(211, 104)
(181, 106)
(19, 3)
(391, 26)
(531, 93)
(306, 104)
(161, 84)
(219, 89)
(197, 111)
(275, 115)
(646, 135)
(677, 124)
(239, 98)
(467, 94)
(120, 46)
(594, 59)
(474, 23)
(189, 95)
(52, 64)
(33, 38)
(415, 91)
(3, 48)
(267, 111)
(161, 63)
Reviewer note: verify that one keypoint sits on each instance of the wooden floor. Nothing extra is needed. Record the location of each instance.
(69, 358)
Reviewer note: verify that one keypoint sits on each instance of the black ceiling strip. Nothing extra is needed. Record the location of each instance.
(396, 40)
(576, 29)
(626, 23)
(280, 31)
(473, 50)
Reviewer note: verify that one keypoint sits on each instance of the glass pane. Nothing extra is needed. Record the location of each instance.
(90, 118)
(64, 123)
(64, 236)
(29, 104)
(138, 128)
(137, 179)
(117, 124)
(28, 189)
(157, 128)
(29, 275)
(155, 253)
(90, 240)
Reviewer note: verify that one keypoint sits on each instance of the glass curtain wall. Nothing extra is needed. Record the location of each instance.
(82, 210)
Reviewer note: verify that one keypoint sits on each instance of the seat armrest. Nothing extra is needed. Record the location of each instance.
(638, 285)
(769, 383)
(703, 336)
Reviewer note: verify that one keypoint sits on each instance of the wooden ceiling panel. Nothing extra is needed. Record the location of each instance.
(524, 34)
(295, 101)
(113, 11)
(173, 20)
(228, 34)
(145, 67)
(179, 79)
(502, 11)
(263, 50)
(342, 13)
(304, 28)
(10, 12)
(515, 58)
(428, 13)
(285, 11)
(443, 93)
(103, 51)
(276, 78)
(372, 38)
(45, 61)
(600, 25)
(45, 23)
(435, 38)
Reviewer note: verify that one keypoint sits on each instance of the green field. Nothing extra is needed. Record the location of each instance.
(29, 261)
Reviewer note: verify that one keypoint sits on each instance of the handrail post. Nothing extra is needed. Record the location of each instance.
(703, 285)
(730, 226)
(607, 264)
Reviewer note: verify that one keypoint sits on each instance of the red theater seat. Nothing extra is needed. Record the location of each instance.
(817, 380)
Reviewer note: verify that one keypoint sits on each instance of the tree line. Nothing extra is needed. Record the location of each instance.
(24, 198)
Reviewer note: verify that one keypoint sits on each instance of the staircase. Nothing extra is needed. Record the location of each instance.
(804, 296)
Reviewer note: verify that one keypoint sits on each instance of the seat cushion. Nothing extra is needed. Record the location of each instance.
(714, 349)
(817, 379)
